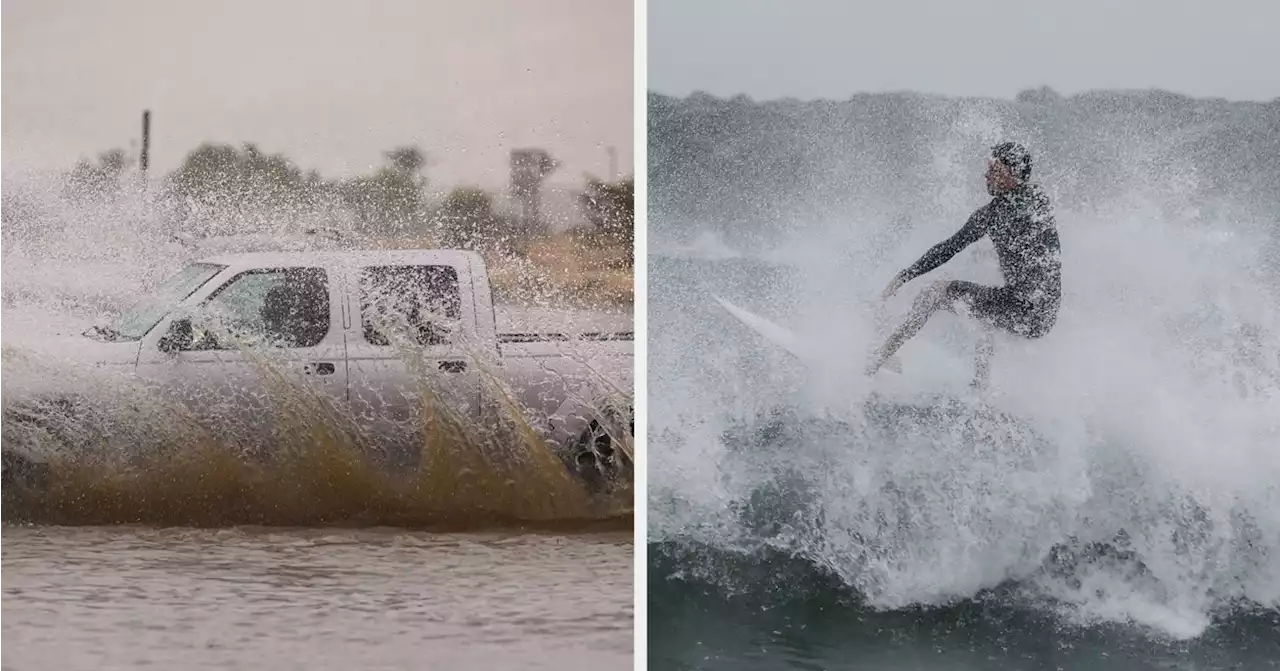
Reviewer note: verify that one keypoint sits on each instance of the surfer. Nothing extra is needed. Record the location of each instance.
(1019, 220)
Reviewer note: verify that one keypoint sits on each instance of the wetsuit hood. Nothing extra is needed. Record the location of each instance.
(1015, 157)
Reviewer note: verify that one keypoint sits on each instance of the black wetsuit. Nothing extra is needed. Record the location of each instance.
(1021, 225)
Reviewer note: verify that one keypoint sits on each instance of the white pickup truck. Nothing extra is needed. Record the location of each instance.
(366, 329)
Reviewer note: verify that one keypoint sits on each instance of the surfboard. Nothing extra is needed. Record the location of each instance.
(778, 335)
(781, 336)
(897, 405)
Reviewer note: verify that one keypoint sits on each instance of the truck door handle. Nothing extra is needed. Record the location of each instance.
(322, 368)
(453, 366)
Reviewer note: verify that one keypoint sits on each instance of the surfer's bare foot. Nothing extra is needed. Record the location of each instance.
(892, 363)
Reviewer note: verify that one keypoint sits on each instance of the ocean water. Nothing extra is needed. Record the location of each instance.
(805, 618)
(790, 529)
(1109, 502)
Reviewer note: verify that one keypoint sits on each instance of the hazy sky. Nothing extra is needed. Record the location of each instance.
(835, 48)
(330, 83)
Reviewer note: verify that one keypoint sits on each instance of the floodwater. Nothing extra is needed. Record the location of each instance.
(129, 598)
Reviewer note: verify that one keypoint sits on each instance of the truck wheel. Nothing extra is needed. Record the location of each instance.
(58, 418)
(19, 467)
(20, 470)
(597, 461)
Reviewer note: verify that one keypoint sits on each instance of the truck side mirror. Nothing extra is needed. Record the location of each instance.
(179, 338)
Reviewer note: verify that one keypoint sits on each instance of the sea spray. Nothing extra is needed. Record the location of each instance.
(1149, 493)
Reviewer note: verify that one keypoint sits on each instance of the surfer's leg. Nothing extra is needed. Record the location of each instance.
(982, 360)
(996, 308)
(929, 301)
(990, 307)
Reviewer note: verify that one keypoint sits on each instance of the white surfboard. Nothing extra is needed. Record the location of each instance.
(778, 335)
(781, 336)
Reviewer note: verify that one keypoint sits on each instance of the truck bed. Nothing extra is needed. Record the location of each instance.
(531, 325)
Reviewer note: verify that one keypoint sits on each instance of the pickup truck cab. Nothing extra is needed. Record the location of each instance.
(368, 330)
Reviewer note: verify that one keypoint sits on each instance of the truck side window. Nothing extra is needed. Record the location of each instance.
(286, 307)
(423, 302)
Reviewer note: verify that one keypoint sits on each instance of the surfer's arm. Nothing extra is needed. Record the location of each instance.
(971, 232)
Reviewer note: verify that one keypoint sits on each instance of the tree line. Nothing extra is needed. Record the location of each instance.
(222, 188)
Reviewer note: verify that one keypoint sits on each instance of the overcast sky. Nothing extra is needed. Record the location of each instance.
(330, 83)
(835, 48)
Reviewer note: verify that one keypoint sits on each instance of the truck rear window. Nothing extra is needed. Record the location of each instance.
(421, 303)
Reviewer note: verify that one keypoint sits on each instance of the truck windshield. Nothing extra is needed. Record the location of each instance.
(146, 313)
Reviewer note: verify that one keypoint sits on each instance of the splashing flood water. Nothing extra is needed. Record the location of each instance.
(1111, 496)
(139, 532)
(129, 453)
(130, 456)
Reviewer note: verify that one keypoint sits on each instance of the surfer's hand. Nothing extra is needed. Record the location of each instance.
(894, 284)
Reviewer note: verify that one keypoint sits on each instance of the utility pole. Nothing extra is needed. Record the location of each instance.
(144, 159)
(613, 162)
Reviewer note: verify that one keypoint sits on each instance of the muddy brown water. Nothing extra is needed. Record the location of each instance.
(130, 598)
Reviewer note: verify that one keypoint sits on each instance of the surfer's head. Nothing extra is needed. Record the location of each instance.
(1010, 166)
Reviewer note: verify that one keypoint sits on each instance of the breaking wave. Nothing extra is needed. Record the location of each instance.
(1120, 470)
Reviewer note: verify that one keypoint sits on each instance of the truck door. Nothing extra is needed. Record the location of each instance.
(408, 346)
(263, 341)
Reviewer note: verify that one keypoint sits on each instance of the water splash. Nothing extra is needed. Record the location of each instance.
(1147, 497)
(127, 454)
